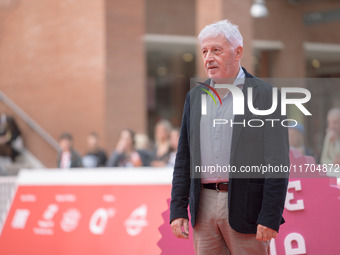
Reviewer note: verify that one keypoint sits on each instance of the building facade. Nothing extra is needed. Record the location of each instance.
(105, 65)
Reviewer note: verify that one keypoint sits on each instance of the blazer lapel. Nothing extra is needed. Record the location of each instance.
(195, 119)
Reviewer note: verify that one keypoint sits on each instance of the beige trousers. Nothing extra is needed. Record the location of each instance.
(213, 234)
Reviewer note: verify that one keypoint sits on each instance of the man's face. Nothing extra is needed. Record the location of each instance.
(220, 59)
(126, 139)
(92, 142)
(334, 123)
(65, 144)
(161, 133)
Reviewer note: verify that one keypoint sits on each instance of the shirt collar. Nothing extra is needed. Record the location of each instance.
(240, 78)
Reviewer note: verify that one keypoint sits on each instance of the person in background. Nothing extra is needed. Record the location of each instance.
(142, 142)
(125, 154)
(95, 157)
(11, 143)
(162, 149)
(331, 148)
(296, 140)
(174, 136)
(68, 157)
(143, 146)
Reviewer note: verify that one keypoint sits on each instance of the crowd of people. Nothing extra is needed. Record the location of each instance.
(132, 150)
(136, 150)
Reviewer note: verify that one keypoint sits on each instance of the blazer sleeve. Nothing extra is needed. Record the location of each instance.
(181, 175)
(276, 153)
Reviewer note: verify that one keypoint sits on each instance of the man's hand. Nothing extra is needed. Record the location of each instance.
(265, 233)
(180, 228)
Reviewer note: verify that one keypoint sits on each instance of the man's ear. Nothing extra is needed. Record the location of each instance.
(238, 53)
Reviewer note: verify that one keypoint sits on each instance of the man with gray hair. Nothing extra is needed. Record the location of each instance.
(231, 213)
(331, 147)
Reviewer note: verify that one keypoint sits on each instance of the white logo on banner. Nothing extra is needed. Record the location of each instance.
(28, 198)
(137, 221)
(46, 225)
(20, 218)
(70, 220)
(294, 243)
(99, 220)
(109, 198)
(49, 213)
(298, 205)
(297, 239)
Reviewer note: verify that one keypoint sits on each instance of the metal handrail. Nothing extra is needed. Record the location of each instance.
(29, 121)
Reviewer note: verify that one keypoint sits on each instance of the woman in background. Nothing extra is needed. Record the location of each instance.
(162, 149)
(125, 154)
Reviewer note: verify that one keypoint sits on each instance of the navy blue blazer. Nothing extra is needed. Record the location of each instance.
(251, 200)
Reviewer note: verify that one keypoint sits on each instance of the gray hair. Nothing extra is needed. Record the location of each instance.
(223, 27)
(334, 112)
(166, 124)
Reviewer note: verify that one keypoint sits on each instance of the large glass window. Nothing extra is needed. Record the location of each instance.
(170, 65)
